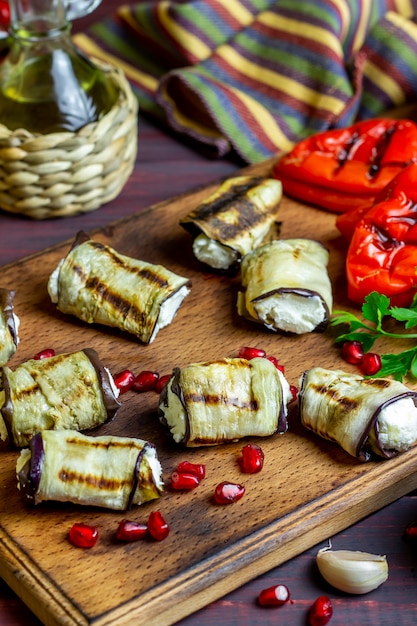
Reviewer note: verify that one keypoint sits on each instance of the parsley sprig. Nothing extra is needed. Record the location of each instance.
(376, 310)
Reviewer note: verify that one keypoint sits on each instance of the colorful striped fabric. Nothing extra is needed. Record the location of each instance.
(257, 76)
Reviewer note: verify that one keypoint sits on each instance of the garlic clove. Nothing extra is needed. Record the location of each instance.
(352, 571)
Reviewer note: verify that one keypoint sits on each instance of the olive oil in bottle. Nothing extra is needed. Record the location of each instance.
(46, 84)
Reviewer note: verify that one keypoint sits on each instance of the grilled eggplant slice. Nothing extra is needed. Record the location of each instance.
(9, 326)
(220, 401)
(286, 287)
(367, 417)
(107, 471)
(98, 285)
(71, 391)
(234, 220)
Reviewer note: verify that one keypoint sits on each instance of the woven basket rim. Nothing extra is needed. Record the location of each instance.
(66, 173)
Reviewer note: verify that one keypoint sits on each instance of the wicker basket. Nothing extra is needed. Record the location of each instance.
(66, 173)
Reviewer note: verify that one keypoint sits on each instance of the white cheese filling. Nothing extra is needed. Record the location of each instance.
(397, 424)
(213, 253)
(156, 469)
(291, 312)
(176, 415)
(169, 309)
(286, 390)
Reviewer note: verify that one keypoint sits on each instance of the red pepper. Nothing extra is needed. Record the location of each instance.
(382, 254)
(342, 170)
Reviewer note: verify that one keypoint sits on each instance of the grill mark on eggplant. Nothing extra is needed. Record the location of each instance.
(91, 481)
(236, 193)
(118, 303)
(21, 394)
(217, 399)
(101, 444)
(349, 404)
(246, 214)
(144, 273)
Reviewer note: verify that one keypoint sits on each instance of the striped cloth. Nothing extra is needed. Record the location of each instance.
(257, 76)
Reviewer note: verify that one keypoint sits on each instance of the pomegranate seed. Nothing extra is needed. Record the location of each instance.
(371, 364)
(274, 596)
(294, 393)
(227, 493)
(131, 531)
(145, 381)
(251, 353)
(410, 533)
(4, 14)
(157, 526)
(83, 535)
(277, 364)
(192, 468)
(352, 352)
(161, 382)
(44, 354)
(252, 459)
(320, 612)
(124, 380)
(182, 481)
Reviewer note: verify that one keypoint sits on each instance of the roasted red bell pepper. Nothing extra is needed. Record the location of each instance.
(340, 170)
(382, 254)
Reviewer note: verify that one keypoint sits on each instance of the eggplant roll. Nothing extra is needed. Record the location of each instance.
(234, 220)
(286, 287)
(98, 285)
(219, 401)
(71, 391)
(110, 472)
(367, 417)
(9, 326)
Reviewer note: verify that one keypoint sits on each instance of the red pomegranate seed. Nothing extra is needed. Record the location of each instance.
(124, 380)
(352, 352)
(371, 364)
(274, 596)
(277, 364)
(294, 393)
(192, 468)
(161, 382)
(131, 531)
(182, 481)
(145, 381)
(44, 354)
(83, 535)
(320, 612)
(252, 459)
(157, 526)
(251, 353)
(410, 533)
(227, 493)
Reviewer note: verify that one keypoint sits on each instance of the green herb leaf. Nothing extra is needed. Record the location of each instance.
(375, 308)
(409, 316)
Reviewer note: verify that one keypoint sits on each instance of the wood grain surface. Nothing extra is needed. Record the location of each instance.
(309, 489)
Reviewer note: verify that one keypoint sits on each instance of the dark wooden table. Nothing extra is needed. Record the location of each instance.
(167, 166)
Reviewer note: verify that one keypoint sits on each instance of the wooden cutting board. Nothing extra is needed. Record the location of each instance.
(308, 490)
